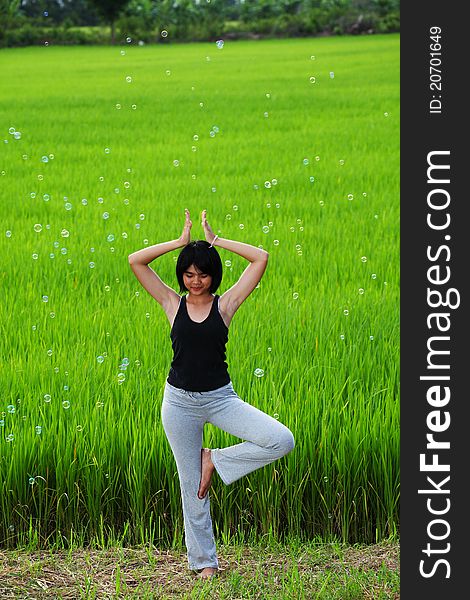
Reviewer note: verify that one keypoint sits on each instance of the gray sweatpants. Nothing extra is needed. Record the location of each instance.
(183, 416)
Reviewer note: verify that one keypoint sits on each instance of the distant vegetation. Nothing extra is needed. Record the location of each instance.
(39, 22)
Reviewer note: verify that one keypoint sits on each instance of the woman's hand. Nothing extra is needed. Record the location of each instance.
(210, 235)
(185, 237)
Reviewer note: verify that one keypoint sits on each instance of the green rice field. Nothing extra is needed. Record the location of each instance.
(292, 145)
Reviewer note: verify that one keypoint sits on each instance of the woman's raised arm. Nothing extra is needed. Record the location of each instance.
(250, 277)
(140, 259)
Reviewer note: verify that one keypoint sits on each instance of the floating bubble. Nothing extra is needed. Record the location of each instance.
(276, 242)
(265, 229)
(11, 130)
(350, 197)
(332, 75)
(129, 79)
(35, 256)
(258, 372)
(8, 233)
(142, 216)
(374, 276)
(11, 409)
(274, 181)
(341, 336)
(128, 40)
(195, 137)
(268, 204)
(371, 337)
(213, 189)
(364, 259)
(212, 133)
(305, 161)
(110, 237)
(17, 135)
(321, 203)
(45, 159)
(267, 184)
(385, 114)
(92, 265)
(66, 404)
(361, 290)
(228, 217)
(37, 227)
(235, 207)
(107, 150)
(364, 194)
(312, 57)
(312, 179)
(127, 184)
(40, 177)
(312, 79)
(176, 163)
(346, 311)
(123, 52)
(341, 162)
(25, 157)
(118, 106)
(295, 295)
(219, 44)
(68, 206)
(38, 429)
(168, 72)
(51, 156)
(317, 158)
(278, 205)
(266, 114)
(164, 33)
(241, 226)
(194, 148)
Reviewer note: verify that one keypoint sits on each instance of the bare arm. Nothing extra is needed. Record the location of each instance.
(140, 259)
(250, 277)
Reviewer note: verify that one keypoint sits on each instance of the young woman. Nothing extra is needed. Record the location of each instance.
(198, 389)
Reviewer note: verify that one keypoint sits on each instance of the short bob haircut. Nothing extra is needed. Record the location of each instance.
(206, 258)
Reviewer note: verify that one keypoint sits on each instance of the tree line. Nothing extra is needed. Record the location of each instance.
(26, 22)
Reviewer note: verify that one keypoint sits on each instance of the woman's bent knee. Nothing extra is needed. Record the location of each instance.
(284, 442)
(287, 441)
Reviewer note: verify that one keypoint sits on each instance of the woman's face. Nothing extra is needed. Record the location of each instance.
(196, 282)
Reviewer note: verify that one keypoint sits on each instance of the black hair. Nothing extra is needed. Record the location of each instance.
(206, 258)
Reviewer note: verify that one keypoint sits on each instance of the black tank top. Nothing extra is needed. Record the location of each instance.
(198, 351)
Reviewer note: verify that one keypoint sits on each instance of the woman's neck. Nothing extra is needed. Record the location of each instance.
(199, 299)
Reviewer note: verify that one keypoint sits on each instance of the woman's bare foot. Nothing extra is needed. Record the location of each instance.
(208, 572)
(207, 468)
